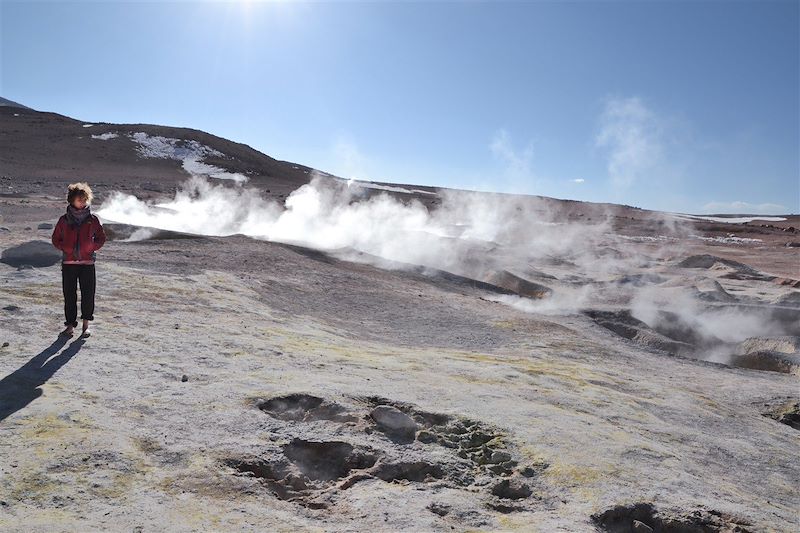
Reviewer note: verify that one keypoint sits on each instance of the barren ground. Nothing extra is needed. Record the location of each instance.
(236, 384)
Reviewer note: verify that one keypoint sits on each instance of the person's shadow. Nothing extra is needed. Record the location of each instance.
(21, 387)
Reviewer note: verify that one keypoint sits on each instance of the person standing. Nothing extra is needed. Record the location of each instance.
(78, 234)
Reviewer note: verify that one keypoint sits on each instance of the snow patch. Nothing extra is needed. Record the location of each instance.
(197, 168)
(729, 220)
(647, 238)
(88, 125)
(168, 148)
(730, 239)
(370, 185)
(190, 153)
(105, 136)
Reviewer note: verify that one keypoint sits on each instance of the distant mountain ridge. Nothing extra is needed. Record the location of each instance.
(11, 103)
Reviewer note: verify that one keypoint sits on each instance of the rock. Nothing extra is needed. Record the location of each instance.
(788, 414)
(793, 244)
(5, 345)
(392, 420)
(641, 527)
(184, 378)
(511, 489)
(45, 225)
(441, 509)
(31, 254)
(426, 436)
(499, 456)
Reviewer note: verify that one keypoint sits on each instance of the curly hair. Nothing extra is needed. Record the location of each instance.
(79, 189)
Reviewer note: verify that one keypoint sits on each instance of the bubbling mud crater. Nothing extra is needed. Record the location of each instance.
(389, 441)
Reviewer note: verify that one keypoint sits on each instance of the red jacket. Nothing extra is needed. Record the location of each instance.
(78, 243)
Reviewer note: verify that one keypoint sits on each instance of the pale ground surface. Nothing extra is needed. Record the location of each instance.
(106, 436)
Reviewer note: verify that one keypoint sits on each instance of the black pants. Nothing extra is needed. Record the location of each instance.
(70, 275)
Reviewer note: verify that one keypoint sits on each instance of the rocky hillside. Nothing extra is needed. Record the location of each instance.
(45, 148)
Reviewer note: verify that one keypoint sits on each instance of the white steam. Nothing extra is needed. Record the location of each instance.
(631, 133)
(729, 324)
(523, 244)
(470, 234)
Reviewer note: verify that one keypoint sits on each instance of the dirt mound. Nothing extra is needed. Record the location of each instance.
(786, 344)
(747, 276)
(708, 261)
(768, 360)
(730, 269)
(776, 354)
(645, 518)
(788, 300)
(38, 254)
(518, 285)
(625, 325)
(711, 290)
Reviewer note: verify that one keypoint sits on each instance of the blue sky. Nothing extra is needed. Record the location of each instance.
(680, 106)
